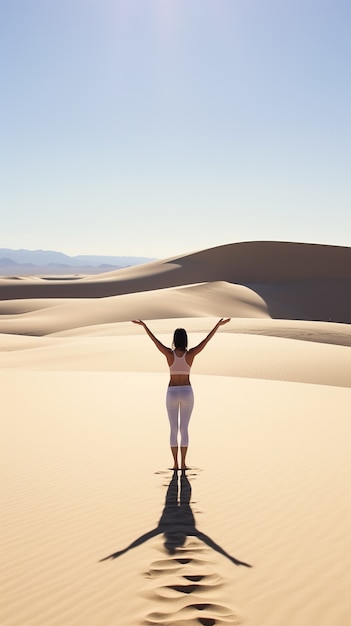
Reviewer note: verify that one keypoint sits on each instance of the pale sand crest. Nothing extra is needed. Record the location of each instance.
(85, 443)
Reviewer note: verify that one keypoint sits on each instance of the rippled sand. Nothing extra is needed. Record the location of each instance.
(260, 523)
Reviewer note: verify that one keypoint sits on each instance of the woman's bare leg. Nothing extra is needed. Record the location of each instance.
(175, 456)
(183, 451)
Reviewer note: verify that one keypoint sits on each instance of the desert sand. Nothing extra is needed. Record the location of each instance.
(85, 443)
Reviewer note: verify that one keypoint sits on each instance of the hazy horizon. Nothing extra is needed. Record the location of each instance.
(88, 255)
(159, 128)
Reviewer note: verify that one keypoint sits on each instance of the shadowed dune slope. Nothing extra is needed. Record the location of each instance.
(297, 281)
(43, 317)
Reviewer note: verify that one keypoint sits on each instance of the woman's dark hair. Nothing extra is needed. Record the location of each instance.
(180, 339)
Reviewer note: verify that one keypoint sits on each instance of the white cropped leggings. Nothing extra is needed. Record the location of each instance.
(179, 403)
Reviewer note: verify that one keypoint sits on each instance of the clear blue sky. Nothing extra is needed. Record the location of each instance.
(157, 127)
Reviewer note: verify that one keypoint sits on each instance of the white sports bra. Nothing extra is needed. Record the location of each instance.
(179, 365)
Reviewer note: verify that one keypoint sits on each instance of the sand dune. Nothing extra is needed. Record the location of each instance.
(85, 443)
(241, 355)
(194, 301)
(314, 268)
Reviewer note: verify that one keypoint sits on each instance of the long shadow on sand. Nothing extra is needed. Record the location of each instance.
(177, 522)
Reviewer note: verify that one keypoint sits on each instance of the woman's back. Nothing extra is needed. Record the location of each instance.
(180, 364)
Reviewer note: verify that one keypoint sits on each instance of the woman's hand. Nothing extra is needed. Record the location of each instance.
(223, 321)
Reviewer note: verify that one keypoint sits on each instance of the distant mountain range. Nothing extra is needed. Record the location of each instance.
(37, 262)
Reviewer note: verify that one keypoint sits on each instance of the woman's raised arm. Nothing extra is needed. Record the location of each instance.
(166, 351)
(194, 351)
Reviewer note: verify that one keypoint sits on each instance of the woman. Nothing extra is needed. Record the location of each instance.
(180, 398)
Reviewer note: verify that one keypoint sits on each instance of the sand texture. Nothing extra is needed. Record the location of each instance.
(261, 520)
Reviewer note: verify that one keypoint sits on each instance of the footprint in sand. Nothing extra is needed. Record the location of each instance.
(184, 595)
